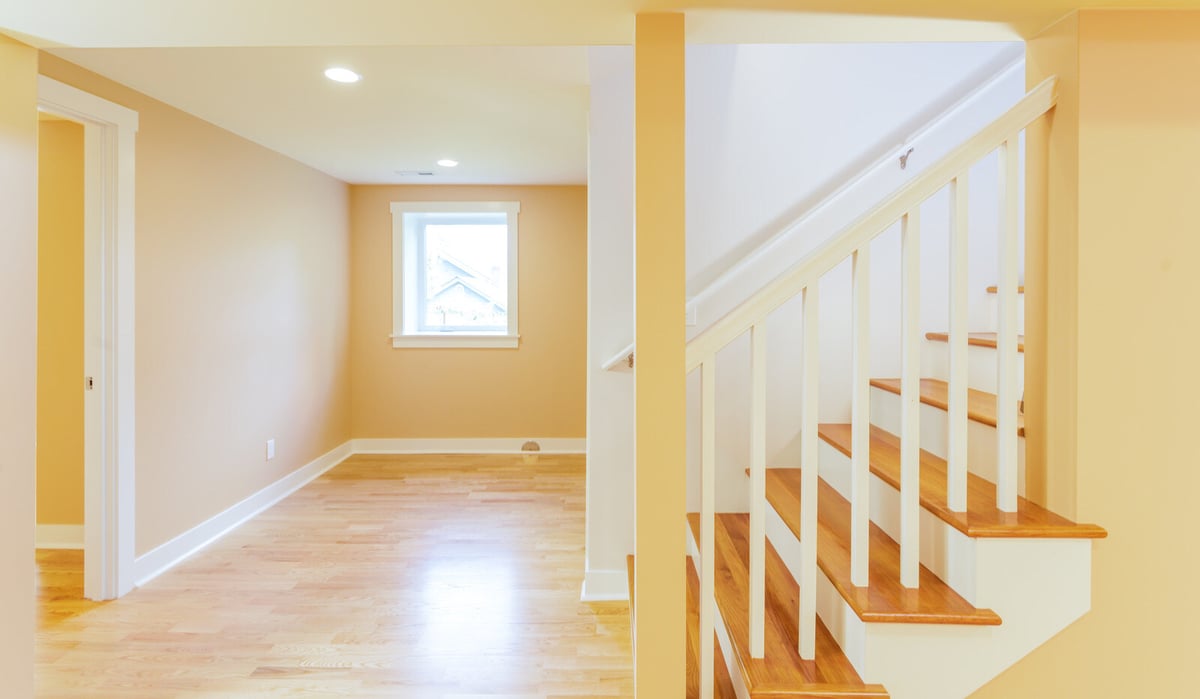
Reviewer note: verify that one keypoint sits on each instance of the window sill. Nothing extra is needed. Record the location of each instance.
(456, 340)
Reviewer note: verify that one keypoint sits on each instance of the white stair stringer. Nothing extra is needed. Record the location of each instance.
(1037, 586)
(981, 364)
(935, 435)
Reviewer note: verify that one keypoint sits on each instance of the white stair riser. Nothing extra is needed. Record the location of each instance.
(994, 312)
(1037, 586)
(981, 365)
(935, 435)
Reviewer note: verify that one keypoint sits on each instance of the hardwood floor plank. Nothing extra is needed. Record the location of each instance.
(390, 576)
(982, 518)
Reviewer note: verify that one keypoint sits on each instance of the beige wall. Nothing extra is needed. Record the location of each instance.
(60, 323)
(242, 313)
(18, 352)
(1136, 251)
(537, 390)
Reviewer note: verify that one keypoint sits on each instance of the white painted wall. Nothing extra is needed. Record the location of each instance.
(610, 413)
(738, 146)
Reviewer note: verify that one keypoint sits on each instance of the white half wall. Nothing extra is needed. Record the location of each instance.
(610, 397)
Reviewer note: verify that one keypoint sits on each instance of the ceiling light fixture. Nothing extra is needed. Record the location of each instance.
(447, 162)
(342, 75)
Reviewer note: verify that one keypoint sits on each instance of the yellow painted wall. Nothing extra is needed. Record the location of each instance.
(537, 390)
(60, 323)
(661, 391)
(1138, 133)
(242, 313)
(18, 360)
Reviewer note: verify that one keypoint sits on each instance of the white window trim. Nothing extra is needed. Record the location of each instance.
(400, 339)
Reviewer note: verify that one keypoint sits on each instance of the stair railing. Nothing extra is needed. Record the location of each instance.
(853, 242)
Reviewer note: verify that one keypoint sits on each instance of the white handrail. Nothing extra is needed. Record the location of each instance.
(620, 361)
(787, 285)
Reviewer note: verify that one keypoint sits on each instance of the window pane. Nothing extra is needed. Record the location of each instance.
(466, 275)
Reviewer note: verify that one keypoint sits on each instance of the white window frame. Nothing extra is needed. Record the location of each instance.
(404, 306)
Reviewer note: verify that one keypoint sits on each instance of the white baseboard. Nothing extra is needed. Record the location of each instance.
(154, 563)
(59, 536)
(499, 445)
(605, 586)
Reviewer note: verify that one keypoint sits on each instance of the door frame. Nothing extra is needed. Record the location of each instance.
(109, 159)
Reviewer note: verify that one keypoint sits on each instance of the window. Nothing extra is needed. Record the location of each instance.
(454, 274)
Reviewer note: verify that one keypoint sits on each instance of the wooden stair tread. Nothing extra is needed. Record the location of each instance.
(977, 339)
(885, 599)
(781, 673)
(981, 405)
(723, 684)
(982, 519)
(996, 289)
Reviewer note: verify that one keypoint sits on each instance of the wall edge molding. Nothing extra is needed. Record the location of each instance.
(497, 445)
(166, 556)
(605, 586)
(59, 536)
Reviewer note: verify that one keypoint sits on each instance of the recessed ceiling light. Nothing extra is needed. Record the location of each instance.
(447, 162)
(342, 75)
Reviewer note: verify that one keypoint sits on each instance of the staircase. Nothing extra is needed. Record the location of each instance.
(901, 559)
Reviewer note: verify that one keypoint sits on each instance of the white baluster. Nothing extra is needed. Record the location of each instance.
(860, 468)
(1007, 379)
(956, 479)
(758, 488)
(708, 525)
(910, 399)
(810, 371)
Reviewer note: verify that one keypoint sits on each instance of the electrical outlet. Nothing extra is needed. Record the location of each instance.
(270, 449)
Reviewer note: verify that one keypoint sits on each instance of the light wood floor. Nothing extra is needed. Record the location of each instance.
(440, 577)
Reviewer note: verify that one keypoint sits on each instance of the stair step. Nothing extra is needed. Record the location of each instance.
(977, 339)
(885, 599)
(981, 405)
(781, 673)
(723, 684)
(982, 519)
(996, 289)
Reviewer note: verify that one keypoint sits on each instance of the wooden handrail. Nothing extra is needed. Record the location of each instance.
(869, 226)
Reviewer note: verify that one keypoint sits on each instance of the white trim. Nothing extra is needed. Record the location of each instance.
(59, 536)
(405, 333)
(605, 586)
(109, 145)
(498, 445)
(456, 340)
(166, 556)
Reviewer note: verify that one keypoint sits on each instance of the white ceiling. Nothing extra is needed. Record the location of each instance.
(486, 82)
(510, 115)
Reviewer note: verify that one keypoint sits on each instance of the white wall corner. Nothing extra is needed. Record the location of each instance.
(605, 586)
(59, 536)
(150, 565)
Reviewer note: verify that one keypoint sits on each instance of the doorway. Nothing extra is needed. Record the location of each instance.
(60, 405)
(106, 382)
